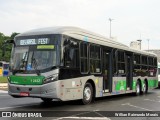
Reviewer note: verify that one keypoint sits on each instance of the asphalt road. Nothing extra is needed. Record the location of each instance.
(71, 110)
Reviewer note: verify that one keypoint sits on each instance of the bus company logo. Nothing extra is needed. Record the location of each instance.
(6, 114)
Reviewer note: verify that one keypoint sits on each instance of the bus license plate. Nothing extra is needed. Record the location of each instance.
(24, 93)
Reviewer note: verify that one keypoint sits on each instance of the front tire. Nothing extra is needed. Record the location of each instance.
(46, 99)
(87, 94)
(16, 96)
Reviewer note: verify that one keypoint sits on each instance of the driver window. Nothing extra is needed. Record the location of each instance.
(71, 53)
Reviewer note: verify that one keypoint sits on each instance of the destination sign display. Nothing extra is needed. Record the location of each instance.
(45, 46)
(39, 41)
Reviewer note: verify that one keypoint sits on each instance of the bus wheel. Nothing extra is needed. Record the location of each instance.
(87, 94)
(16, 96)
(46, 99)
(144, 89)
(158, 84)
(138, 88)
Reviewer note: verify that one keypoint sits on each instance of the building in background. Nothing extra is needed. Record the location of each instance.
(135, 45)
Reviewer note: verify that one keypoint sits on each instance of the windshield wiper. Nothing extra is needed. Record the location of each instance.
(34, 63)
(21, 68)
(23, 64)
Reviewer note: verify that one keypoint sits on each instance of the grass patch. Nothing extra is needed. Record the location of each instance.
(3, 80)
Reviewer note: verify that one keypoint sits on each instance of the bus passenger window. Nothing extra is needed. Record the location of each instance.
(84, 57)
(95, 59)
(121, 62)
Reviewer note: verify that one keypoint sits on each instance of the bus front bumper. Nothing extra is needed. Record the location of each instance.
(41, 91)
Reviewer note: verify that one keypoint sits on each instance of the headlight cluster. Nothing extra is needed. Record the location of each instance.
(9, 80)
(50, 79)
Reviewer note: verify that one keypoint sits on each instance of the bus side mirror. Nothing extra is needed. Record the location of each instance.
(6, 42)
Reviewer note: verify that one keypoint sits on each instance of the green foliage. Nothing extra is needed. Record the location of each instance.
(3, 80)
(13, 35)
(8, 47)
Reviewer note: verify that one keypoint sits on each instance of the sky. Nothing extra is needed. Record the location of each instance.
(132, 19)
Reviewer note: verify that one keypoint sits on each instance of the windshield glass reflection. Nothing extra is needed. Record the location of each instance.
(23, 59)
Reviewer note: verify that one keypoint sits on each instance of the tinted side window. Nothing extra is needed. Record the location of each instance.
(137, 65)
(95, 59)
(121, 62)
(84, 68)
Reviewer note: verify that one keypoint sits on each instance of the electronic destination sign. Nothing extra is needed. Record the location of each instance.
(38, 41)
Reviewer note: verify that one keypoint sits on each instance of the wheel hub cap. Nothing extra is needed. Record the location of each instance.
(87, 93)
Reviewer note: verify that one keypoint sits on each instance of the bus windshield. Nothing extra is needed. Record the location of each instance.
(25, 59)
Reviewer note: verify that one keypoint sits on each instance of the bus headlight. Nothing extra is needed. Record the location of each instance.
(50, 79)
(9, 80)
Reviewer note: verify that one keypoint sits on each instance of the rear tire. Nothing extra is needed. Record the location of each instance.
(138, 88)
(87, 94)
(145, 88)
(158, 84)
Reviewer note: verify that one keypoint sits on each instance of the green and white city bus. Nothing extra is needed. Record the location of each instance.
(68, 63)
(158, 74)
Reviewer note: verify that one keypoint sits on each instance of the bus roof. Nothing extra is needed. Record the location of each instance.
(83, 35)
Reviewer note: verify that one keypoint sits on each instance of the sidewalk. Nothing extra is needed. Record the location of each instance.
(3, 86)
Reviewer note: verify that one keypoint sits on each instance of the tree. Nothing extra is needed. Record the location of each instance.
(13, 35)
(8, 47)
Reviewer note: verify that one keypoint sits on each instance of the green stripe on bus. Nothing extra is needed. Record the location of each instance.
(26, 80)
(134, 84)
(120, 85)
(152, 83)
